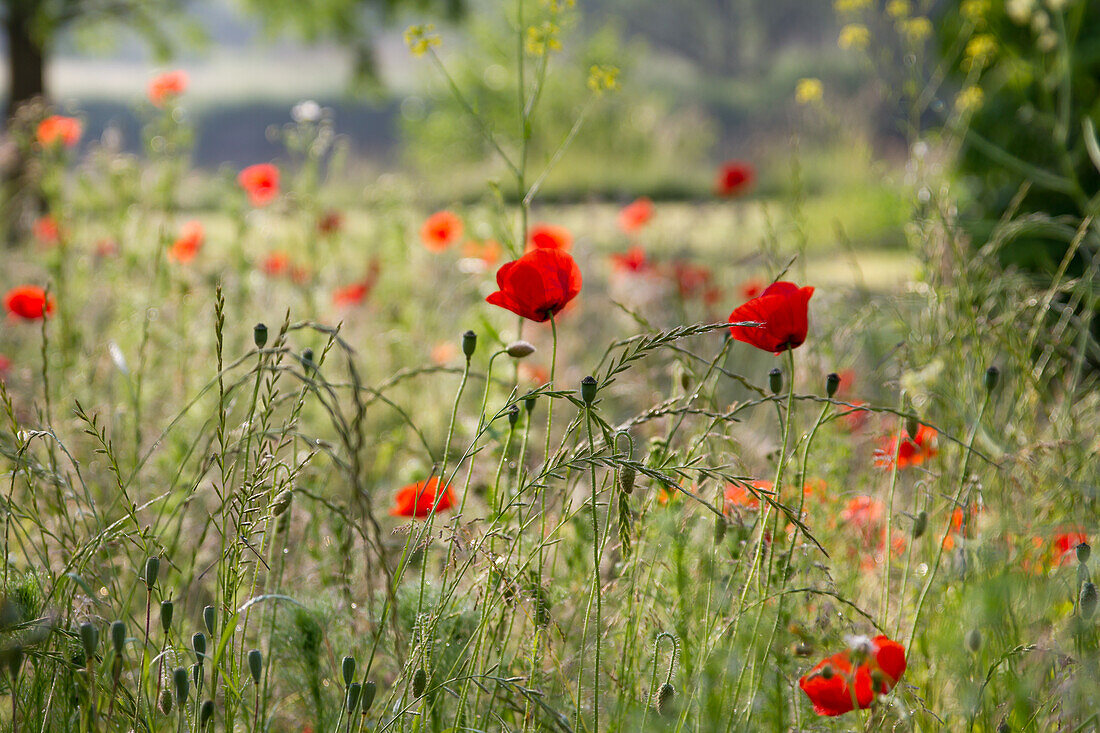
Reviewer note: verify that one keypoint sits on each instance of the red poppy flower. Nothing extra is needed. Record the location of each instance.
(188, 243)
(549, 236)
(636, 215)
(357, 292)
(633, 261)
(260, 182)
(835, 687)
(782, 309)
(167, 86)
(59, 129)
(28, 301)
(276, 263)
(1065, 543)
(735, 177)
(440, 230)
(537, 285)
(752, 287)
(46, 230)
(913, 450)
(864, 512)
(330, 222)
(417, 500)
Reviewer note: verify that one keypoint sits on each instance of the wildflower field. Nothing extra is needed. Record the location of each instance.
(291, 447)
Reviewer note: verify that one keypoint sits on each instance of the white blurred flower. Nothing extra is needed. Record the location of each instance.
(306, 111)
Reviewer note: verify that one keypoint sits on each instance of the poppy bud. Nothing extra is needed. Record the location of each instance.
(182, 685)
(259, 335)
(281, 502)
(912, 425)
(307, 360)
(206, 713)
(719, 529)
(152, 570)
(1088, 600)
(197, 675)
(369, 690)
(992, 376)
(166, 701)
(685, 381)
(529, 403)
(803, 649)
(347, 668)
(588, 390)
(775, 380)
(255, 665)
(353, 697)
(208, 617)
(420, 682)
(469, 344)
(974, 640)
(626, 479)
(519, 349)
(198, 643)
(15, 660)
(832, 383)
(1084, 551)
(89, 639)
(664, 697)
(118, 635)
(166, 608)
(513, 415)
(827, 672)
(920, 523)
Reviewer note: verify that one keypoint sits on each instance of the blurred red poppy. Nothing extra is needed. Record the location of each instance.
(28, 301)
(167, 86)
(330, 222)
(487, 251)
(863, 512)
(260, 182)
(537, 285)
(835, 687)
(691, 280)
(59, 129)
(276, 263)
(188, 243)
(549, 236)
(46, 230)
(738, 496)
(782, 309)
(417, 500)
(854, 419)
(735, 177)
(357, 292)
(5, 364)
(106, 247)
(633, 261)
(440, 230)
(913, 451)
(1065, 543)
(635, 215)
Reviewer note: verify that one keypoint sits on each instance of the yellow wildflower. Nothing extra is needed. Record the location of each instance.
(850, 6)
(419, 38)
(916, 29)
(854, 36)
(603, 78)
(808, 91)
(898, 8)
(969, 99)
(543, 38)
(975, 10)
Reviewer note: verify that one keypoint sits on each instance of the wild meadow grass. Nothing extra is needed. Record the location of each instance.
(399, 507)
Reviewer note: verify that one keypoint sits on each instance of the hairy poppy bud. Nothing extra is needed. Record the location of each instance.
(920, 523)
(118, 635)
(206, 713)
(347, 668)
(166, 608)
(166, 701)
(520, 349)
(307, 361)
(912, 425)
(208, 618)
(198, 643)
(974, 640)
(182, 685)
(827, 672)
(588, 390)
(685, 381)
(1088, 600)
(369, 690)
(1084, 551)
(627, 475)
(775, 380)
(469, 344)
(353, 697)
(89, 639)
(832, 384)
(281, 502)
(513, 415)
(664, 697)
(420, 682)
(719, 529)
(152, 570)
(255, 665)
(992, 376)
(529, 403)
(259, 335)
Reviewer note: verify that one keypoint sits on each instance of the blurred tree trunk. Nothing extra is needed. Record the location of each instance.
(25, 61)
(26, 82)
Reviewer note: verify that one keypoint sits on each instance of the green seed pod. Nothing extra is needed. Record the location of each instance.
(588, 390)
(664, 698)
(353, 696)
(166, 609)
(529, 403)
(281, 502)
(974, 640)
(920, 524)
(469, 344)
(206, 714)
(347, 668)
(152, 570)
(1087, 601)
(166, 701)
(182, 685)
(255, 665)
(420, 682)
(209, 616)
(369, 691)
(992, 377)
(118, 635)
(1084, 552)
(912, 426)
(832, 384)
(627, 474)
(259, 335)
(513, 415)
(775, 380)
(719, 529)
(89, 639)
(520, 349)
(198, 643)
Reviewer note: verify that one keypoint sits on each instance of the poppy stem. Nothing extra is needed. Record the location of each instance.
(596, 590)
